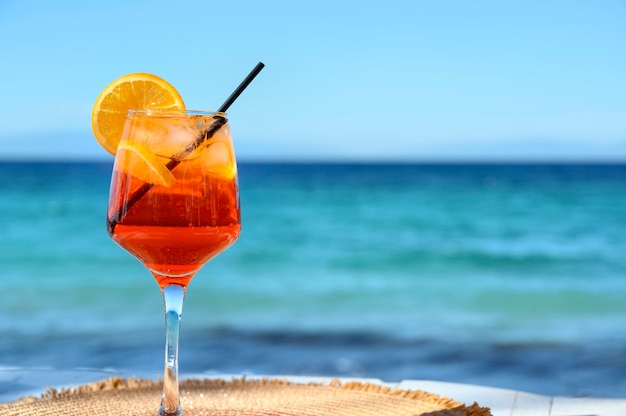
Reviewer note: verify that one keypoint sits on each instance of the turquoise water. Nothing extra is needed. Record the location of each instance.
(504, 275)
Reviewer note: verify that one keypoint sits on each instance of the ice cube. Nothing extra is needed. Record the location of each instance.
(178, 137)
(219, 159)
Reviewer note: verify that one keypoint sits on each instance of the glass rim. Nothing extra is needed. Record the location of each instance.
(158, 112)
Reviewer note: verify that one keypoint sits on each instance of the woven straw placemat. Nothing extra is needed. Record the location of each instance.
(136, 397)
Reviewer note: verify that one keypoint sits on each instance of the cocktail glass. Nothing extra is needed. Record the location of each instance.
(174, 205)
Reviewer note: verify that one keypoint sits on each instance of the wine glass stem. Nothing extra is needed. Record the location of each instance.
(173, 297)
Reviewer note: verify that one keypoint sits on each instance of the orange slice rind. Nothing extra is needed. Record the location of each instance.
(143, 164)
(137, 91)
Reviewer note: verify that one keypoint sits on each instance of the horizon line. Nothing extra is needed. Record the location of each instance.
(357, 161)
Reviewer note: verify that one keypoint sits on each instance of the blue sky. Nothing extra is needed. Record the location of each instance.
(360, 80)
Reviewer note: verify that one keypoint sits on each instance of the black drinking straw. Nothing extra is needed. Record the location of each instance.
(200, 139)
(241, 87)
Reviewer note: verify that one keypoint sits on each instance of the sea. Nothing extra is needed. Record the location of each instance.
(509, 275)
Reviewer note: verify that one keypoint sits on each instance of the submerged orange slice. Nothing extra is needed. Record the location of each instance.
(143, 164)
(138, 91)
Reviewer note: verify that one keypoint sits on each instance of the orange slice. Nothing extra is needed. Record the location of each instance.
(143, 164)
(138, 91)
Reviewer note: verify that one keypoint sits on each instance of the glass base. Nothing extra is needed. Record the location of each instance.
(178, 412)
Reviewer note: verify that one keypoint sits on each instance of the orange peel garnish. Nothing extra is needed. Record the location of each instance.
(137, 91)
(143, 164)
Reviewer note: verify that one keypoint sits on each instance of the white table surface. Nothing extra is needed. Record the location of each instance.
(16, 382)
